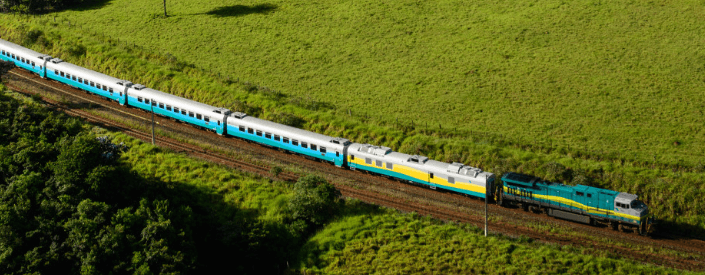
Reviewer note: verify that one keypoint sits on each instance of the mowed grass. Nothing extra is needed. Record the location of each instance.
(671, 183)
(607, 76)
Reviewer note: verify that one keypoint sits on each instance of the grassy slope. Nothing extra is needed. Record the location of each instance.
(387, 243)
(369, 240)
(621, 76)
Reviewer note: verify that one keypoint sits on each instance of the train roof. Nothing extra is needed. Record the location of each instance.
(166, 98)
(532, 181)
(90, 75)
(17, 49)
(290, 132)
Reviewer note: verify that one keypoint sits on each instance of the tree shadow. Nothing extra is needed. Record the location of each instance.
(89, 5)
(240, 10)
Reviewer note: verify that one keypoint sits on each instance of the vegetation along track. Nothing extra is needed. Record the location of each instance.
(369, 188)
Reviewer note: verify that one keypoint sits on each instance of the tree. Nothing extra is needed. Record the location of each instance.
(314, 202)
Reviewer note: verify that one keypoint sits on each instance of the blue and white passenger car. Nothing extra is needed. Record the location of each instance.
(292, 139)
(88, 80)
(168, 105)
(24, 58)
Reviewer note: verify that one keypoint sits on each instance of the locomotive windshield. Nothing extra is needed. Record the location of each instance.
(638, 204)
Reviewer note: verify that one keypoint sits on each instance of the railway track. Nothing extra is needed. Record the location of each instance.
(368, 188)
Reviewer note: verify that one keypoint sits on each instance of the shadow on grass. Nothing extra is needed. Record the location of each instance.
(240, 10)
(89, 5)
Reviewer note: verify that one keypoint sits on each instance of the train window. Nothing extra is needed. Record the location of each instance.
(168, 107)
(56, 72)
(250, 131)
(218, 122)
(176, 110)
(313, 147)
(33, 64)
(390, 166)
(267, 135)
(242, 128)
(451, 180)
(323, 149)
(285, 139)
(589, 195)
(161, 105)
(105, 88)
(146, 101)
(198, 116)
(73, 77)
(92, 84)
(276, 137)
(259, 133)
(207, 119)
(22, 59)
(139, 98)
(430, 175)
(154, 103)
(85, 81)
(304, 144)
(190, 114)
(183, 112)
(378, 163)
(80, 80)
(368, 161)
(580, 193)
(294, 142)
(110, 90)
(68, 76)
(62, 73)
(337, 154)
(352, 157)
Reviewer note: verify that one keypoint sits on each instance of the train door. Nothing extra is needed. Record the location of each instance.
(591, 201)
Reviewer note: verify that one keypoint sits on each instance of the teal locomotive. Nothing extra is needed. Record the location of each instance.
(586, 204)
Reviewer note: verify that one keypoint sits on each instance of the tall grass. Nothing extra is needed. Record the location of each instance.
(387, 243)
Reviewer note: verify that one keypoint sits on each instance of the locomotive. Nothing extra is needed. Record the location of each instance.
(580, 203)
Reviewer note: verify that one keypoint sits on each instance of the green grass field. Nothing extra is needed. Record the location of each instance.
(616, 76)
(607, 94)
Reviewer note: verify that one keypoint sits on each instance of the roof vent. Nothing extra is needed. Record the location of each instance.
(222, 111)
(417, 159)
(454, 167)
(338, 140)
(124, 83)
(45, 57)
(138, 87)
(56, 60)
(239, 115)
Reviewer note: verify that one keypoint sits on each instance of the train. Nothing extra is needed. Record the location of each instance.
(622, 211)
